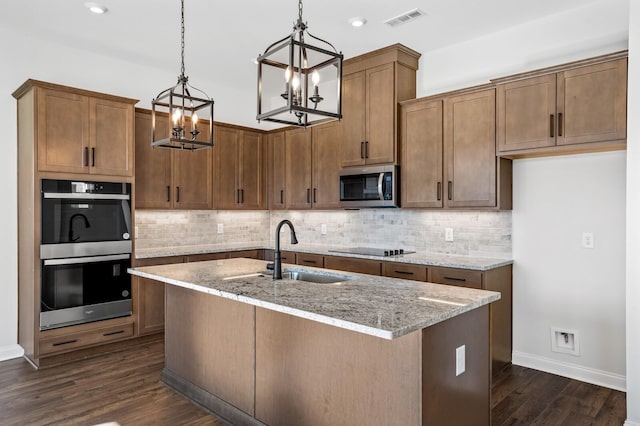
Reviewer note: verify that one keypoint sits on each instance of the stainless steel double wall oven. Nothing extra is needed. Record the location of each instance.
(85, 250)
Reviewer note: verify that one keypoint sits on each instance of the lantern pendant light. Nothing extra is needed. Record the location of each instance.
(306, 70)
(184, 106)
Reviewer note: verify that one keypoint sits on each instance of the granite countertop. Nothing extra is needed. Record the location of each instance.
(420, 258)
(378, 306)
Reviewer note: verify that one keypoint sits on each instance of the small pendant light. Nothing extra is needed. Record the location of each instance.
(305, 70)
(184, 106)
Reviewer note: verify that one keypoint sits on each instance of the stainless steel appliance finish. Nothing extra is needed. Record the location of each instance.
(375, 186)
(85, 250)
(368, 251)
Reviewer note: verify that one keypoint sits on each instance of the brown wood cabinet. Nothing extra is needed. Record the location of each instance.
(325, 150)
(170, 178)
(276, 169)
(373, 84)
(310, 259)
(405, 271)
(298, 169)
(239, 169)
(552, 110)
(353, 264)
(448, 152)
(80, 131)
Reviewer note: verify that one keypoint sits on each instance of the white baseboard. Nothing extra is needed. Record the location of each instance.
(572, 371)
(10, 352)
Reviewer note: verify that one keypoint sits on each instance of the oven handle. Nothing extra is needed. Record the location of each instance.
(86, 196)
(76, 260)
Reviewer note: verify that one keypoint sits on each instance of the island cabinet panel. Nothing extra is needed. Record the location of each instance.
(576, 107)
(404, 271)
(352, 264)
(204, 350)
(450, 399)
(308, 373)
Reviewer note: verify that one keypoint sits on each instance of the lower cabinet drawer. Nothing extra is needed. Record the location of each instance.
(404, 271)
(453, 276)
(310, 259)
(98, 336)
(352, 264)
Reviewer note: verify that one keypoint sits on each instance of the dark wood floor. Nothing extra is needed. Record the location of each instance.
(125, 387)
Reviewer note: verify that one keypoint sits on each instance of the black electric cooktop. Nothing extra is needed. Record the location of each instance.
(367, 251)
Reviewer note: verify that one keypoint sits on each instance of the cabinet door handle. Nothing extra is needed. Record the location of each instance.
(315, 195)
(439, 190)
(237, 196)
(308, 195)
(404, 272)
(450, 190)
(362, 149)
(551, 125)
(85, 158)
(168, 193)
(455, 279)
(559, 124)
(113, 333)
(242, 196)
(93, 157)
(366, 149)
(177, 194)
(66, 342)
(282, 196)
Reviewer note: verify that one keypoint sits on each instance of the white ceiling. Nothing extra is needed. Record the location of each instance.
(222, 37)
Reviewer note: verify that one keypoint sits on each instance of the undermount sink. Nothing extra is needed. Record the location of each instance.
(313, 277)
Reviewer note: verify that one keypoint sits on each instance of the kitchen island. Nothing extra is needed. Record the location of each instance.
(361, 350)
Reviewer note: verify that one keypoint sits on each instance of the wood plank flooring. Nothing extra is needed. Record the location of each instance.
(125, 387)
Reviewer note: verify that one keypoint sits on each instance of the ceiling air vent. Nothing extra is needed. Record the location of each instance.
(405, 17)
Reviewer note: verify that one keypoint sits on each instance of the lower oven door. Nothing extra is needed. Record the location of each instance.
(84, 289)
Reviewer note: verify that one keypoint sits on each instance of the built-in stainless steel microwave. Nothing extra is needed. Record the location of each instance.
(373, 186)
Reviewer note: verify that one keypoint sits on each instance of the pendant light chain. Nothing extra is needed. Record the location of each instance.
(182, 40)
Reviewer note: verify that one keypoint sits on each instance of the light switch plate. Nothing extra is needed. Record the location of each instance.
(460, 360)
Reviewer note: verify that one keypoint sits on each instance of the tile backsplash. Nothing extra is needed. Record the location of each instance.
(485, 234)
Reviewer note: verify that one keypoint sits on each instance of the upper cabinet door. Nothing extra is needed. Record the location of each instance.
(421, 145)
(353, 128)
(298, 172)
(470, 150)
(526, 113)
(227, 194)
(592, 103)
(153, 165)
(276, 163)
(381, 110)
(326, 166)
(111, 137)
(251, 171)
(63, 132)
(193, 177)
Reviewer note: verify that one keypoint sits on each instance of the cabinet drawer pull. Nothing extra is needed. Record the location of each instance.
(93, 157)
(455, 279)
(439, 190)
(362, 149)
(66, 342)
(113, 333)
(551, 125)
(559, 124)
(404, 272)
(85, 158)
(309, 261)
(282, 196)
(168, 193)
(450, 190)
(177, 194)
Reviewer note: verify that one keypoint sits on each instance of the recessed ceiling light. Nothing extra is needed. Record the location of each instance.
(357, 21)
(96, 8)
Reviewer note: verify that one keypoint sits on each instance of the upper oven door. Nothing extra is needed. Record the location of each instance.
(83, 219)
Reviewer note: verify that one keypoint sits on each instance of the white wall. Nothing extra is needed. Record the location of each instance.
(633, 224)
(557, 282)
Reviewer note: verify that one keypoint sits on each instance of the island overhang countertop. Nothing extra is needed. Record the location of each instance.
(374, 305)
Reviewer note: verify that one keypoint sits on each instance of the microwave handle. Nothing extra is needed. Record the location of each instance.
(76, 260)
(380, 189)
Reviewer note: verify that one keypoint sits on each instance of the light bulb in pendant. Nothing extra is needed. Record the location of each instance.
(194, 119)
(287, 74)
(295, 82)
(315, 78)
(176, 116)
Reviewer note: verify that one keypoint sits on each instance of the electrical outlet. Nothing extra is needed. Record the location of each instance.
(221, 228)
(460, 360)
(136, 232)
(565, 341)
(587, 240)
(448, 234)
(323, 229)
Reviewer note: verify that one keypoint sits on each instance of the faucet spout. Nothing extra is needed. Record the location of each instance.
(277, 256)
